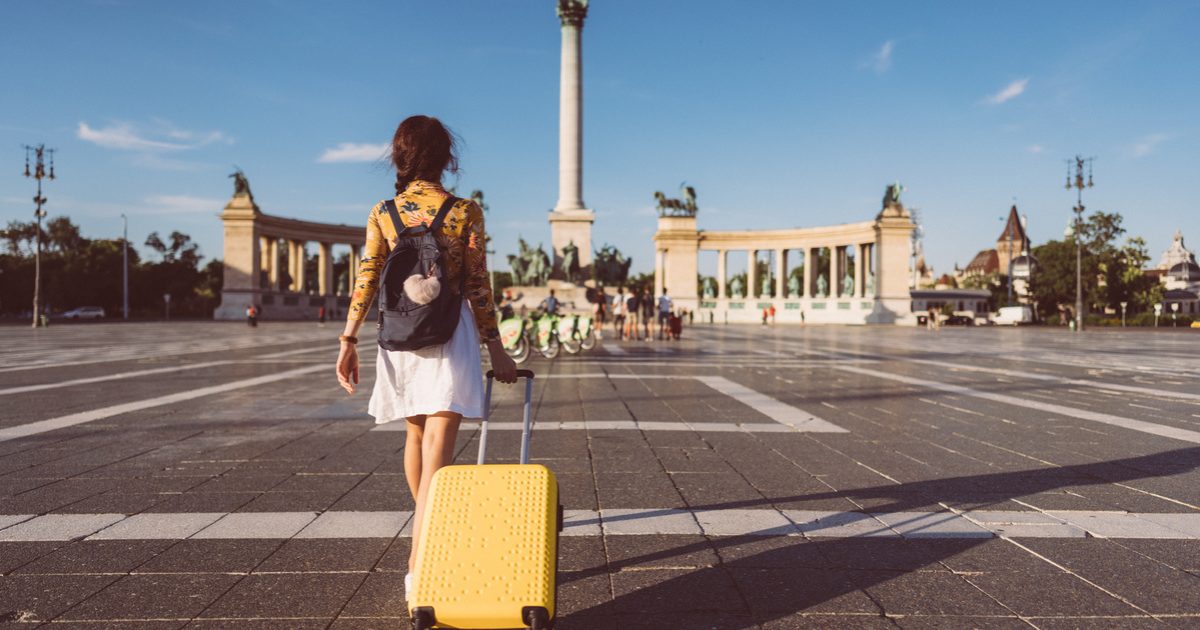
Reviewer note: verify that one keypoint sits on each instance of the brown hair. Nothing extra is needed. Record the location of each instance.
(423, 148)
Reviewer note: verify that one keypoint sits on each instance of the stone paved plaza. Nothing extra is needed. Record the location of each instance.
(207, 475)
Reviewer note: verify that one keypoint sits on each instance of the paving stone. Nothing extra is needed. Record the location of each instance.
(257, 525)
(118, 625)
(932, 525)
(7, 520)
(157, 526)
(58, 527)
(211, 556)
(838, 524)
(1116, 525)
(648, 521)
(642, 552)
(581, 523)
(159, 596)
(951, 622)
(807, 621)
(396, 556)
(926, 592)
(34, 598)
(290, 623)
(356, 525)
(582, 553)
(319, 555)
(1061, 594)
(732, 522)
(381, 595)
(15, 554)
(583, 598)
(316, 595)
(674, 590)
(769, 551)
(96, 556)
(888, 554)
(778, 591)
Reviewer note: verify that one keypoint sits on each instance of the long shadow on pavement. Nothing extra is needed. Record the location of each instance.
(826, 575)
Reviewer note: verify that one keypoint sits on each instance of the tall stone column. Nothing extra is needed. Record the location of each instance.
(301, 268)
(780, 269)
(243, 256)
(809, 261)
(273, 275)
(660, 271)
(860, 274)
(264, 264)
(835, 272)
(721, 273)
(325, 269)
(355, 251)
(751, 274)
(571, 221)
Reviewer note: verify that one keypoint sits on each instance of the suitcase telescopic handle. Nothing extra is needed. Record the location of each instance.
(527, 422)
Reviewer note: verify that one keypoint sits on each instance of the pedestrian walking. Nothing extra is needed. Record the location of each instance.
(321, 316)
(618, 311)
(647, 314)
(664, 313)
(772, 314)
(434, 388)
(633, 308)
(252, 316)
(764, 316)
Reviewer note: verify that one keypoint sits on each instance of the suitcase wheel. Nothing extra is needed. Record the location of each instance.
(537, 617)
(423, 618)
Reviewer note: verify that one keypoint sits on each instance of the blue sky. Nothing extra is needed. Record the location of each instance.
(780, 114)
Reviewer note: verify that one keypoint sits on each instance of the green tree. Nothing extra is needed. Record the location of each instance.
(1053, 283)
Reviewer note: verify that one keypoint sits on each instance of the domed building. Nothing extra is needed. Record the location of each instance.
(1180, 276)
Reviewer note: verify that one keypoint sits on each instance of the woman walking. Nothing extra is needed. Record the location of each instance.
(434, 388)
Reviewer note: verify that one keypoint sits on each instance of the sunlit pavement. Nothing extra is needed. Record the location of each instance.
(212, 475)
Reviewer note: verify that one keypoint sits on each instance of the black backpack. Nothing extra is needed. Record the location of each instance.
(405, 324)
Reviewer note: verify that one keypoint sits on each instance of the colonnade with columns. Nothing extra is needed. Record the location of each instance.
(854, 273)
(265, 264)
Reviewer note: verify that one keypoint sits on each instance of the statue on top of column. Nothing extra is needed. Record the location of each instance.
(685, 207)
(891, 197)
(241, 185)
(572, 12)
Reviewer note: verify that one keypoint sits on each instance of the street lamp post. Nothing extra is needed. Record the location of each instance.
(39, 173)
(1123, 305)
(125, 268)
(1075, 180)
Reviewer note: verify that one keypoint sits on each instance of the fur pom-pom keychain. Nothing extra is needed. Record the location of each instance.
(423, 289)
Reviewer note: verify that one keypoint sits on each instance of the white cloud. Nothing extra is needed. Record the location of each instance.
(1148, 144)
(1009, 92)
(882, 60)
(161, 137)
(1036, 148)
(353, 152)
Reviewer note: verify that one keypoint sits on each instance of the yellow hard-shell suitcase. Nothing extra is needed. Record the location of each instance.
(488, 554)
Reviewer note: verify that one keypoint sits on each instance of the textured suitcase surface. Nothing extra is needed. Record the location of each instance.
(488, 546)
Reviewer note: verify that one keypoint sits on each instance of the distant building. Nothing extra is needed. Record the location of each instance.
(1180, 276)
(1012, 246)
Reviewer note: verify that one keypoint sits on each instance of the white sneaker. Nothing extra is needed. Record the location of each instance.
(408, 585)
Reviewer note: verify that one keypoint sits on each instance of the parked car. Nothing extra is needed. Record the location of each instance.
(959, 320)
(1013, 316)
(85, 312)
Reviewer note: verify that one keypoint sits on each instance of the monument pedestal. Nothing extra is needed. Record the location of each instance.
(572, 226)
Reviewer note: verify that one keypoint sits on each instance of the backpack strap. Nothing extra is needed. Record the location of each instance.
(397, 224)
(442, 212)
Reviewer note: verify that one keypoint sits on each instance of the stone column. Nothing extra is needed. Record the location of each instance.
(751, 269)
(355, 251)
(264, 264)
(325, 269)
(273, 275)
(660, 271)
(243, 257)
(721, 273)
(835, 273)
(780, 270)
(571, 221)
(301, 268)
(860, 274)
(809, 260)
(893, 235)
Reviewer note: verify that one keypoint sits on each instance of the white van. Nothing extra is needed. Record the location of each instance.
(1013, 316)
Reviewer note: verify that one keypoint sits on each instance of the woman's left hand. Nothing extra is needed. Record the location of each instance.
(503, 367)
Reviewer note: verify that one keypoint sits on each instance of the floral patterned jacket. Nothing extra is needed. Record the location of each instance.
(462, 236)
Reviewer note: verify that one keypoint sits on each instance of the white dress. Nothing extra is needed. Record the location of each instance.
(448, 377)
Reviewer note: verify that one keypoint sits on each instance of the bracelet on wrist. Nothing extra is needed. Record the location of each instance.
(348, 339)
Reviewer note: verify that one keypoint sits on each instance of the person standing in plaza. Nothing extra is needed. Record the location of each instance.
(647, 302)
(664, 313)
(434, 388)
(633, 307)
(618, 312)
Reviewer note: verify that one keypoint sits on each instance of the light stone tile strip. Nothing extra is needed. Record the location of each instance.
(780, 412)
(7, 520)
(1116, 525)
(1082, 414)
(626, 425)
(41, 426)
(838, 524)
(58, 527)
(932, 525)
(761, 522)
(745, 523)
(623, 521)
(356, 525)
(257, 525)
(110, 377)
(157, 526)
